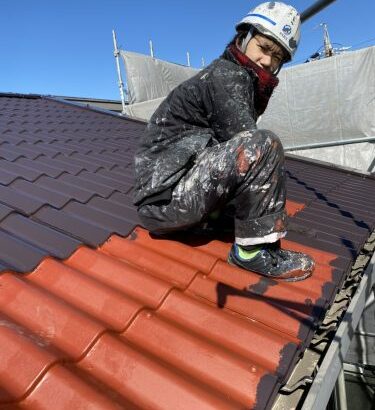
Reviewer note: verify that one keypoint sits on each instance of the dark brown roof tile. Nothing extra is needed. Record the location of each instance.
(71, 224)
(125, 209)
(76, 181)
(61, 164)
(27, 204)
(118, 177)
(121, 186)
(69, 148)
(58, 186)
(47, 149)
(5, 211)
(6, 177)
(54, 198)
(19, 170)
(93, 163)
(21, 150)
(19, 255)
(71, 160)
(40, 236)
(41, 167)
(101, 216)
(119, 198)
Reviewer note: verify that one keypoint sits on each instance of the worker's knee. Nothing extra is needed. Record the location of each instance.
(265, 144)
(268, 140)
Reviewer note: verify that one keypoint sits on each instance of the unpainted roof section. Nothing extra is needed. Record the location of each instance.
(65, 178)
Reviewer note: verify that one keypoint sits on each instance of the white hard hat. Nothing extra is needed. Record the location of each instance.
(276, 20)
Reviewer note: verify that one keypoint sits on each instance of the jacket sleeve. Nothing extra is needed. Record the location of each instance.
(231, 92)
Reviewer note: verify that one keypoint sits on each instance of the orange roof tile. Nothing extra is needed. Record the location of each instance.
(158, 322)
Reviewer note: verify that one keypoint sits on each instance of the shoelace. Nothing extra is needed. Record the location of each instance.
(272, 249)
(273, 255)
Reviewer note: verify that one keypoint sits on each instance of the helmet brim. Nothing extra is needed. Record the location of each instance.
(244, 27)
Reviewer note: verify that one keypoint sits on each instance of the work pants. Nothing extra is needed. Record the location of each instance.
(246, 171)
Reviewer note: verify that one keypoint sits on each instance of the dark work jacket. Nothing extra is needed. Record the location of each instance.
(209, 108)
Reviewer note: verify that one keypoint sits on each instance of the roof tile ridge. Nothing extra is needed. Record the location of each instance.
(6, 216)
(186, 329)
(59, 229)
(22, 177)
(317, 198)
(33, 385)
(13, 211)
(66, 358)
(30, 244)
(172, 288)
(226, 313)
(141, 230)
(129, 238)
(106, 330)
(97, 249)
(74, 161)
(244, 291)
(58, 362)
(98, 194)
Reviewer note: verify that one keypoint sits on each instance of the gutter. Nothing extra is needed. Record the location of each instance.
(331, 369)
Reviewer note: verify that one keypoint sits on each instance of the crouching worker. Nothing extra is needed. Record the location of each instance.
(202, 150)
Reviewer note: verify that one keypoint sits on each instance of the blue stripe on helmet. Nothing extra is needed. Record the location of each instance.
(262, 17)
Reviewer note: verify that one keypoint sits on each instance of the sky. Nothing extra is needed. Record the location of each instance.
(65, 47)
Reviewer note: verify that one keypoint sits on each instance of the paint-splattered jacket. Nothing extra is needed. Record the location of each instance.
(211, 107)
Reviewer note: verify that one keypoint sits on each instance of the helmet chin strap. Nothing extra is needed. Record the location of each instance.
(243, 45)
(279, 68)
(246, 40)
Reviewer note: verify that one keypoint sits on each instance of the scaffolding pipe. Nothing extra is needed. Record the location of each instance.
(314, 9)
(328, 49)
(151, 49)
(120, 82)
(329, 144)
(340, 391)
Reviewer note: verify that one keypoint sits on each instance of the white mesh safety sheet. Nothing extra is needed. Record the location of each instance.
(327, 100)
(149, 78)
(143, 110)
(322, 101)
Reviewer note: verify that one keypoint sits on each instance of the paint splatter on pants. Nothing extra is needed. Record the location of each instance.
(247, 171)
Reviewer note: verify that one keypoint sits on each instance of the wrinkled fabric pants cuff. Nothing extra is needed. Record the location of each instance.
(270, 238)
(267, 229)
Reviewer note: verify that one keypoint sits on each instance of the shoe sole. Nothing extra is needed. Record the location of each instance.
(281, 279)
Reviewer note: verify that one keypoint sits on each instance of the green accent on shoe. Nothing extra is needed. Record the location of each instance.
(247, 255)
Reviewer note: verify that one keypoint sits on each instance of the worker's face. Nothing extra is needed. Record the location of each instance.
(265, 53)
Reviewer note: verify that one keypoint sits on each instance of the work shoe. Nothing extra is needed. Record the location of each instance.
(275, 263)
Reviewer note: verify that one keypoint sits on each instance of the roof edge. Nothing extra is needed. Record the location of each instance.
(88, 99)
(91, 108)
(19, 95)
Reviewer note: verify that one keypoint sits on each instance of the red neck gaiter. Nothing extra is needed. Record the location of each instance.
(266, 81)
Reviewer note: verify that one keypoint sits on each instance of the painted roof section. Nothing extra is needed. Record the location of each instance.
(110, 316)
